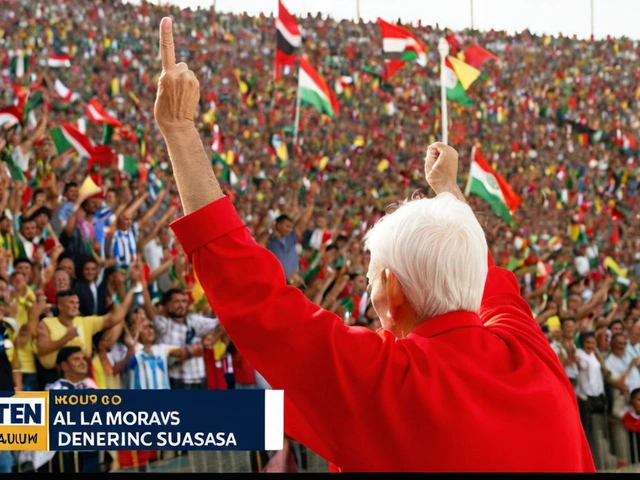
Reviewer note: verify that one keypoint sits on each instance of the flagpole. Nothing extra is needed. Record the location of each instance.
(592, 37)
(297, 120)
(443, 49)
(471, 3)
(358, 10)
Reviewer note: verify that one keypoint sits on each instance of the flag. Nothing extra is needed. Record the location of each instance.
(217, 146)
(223, 172)
(11, 167)
(196, 34)
(19, 65)
(313, 90)
(10, 115)
(491, 187)
(398, 43)
(66, 137)
(35, 98)
(127, 164)
(107, 133)
(57, 61)
(288, 39)
(80, 124)
(278, 147)
(615, 269)
(21, 94)
(245, 84)
(458, 78)
(475, 56)
(96, 113)
(63, 92)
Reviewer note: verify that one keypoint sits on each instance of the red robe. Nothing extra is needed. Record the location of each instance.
(462, 392)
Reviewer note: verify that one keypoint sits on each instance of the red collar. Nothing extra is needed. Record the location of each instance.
(449, 321)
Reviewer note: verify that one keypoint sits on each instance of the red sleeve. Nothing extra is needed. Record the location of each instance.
(325, 368)
(503, 304)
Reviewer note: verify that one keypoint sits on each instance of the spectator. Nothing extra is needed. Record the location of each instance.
(184, 329)
(70, 329)
(74, 376)
(631, 420)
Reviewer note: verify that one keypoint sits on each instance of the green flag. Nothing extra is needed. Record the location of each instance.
(107, 134)
(34, 100)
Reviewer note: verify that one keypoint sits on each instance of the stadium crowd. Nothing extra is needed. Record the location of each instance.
(96, 293)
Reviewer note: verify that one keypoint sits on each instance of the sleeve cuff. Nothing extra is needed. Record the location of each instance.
(206, 224)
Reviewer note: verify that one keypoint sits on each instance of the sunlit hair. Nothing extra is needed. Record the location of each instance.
(438, 251)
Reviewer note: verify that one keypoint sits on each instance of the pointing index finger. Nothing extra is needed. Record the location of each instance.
(167, 49)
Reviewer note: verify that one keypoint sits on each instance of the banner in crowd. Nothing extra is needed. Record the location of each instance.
(74, 420)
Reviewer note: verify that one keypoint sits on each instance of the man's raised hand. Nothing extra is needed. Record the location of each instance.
(178, 88)
(441, 169)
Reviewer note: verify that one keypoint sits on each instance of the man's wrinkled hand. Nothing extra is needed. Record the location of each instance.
(178, 88)
(441, 168)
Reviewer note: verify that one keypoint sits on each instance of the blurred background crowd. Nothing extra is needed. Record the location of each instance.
(96, 293)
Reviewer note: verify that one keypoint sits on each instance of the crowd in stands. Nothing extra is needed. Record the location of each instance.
(96, 293)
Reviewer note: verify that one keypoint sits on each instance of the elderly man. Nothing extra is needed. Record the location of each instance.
(460, 377)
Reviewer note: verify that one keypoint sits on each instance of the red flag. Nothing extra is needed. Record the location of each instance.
(288, 39)
(96, 113)
(476, 56)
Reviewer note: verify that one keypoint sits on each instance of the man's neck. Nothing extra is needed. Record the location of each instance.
(65, 319)
(75, 379)
(177, 319)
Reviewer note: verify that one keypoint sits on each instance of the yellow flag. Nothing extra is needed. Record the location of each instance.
(323, 162)
(466, 73)
(115, 86)
(611, 264)
(89, 187)
(230, 157)
(383, 165)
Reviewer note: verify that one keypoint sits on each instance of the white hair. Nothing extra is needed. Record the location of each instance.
(438, 251)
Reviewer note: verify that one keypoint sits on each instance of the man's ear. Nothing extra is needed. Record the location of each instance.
(395, 294)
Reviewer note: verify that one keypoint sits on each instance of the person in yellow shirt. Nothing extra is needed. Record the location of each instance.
(69, 329)
(26, 376)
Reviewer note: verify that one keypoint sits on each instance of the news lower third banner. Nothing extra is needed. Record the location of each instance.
(61, 420)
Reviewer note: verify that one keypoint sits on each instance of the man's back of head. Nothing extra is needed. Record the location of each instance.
(438, 251)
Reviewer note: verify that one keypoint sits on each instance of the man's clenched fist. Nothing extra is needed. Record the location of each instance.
(178, 88)
(441, 168)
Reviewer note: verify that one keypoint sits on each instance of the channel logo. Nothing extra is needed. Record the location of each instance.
(24, 421)
(22, 411)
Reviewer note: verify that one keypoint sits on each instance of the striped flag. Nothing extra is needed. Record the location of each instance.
(96, 113)
(65, 137)
(313, 90)
(459, 77)
(58, 61)
(399, 46)
(10, 115)
(288, 39)
(216, 146)
(19, 65)
(491, 187)
(21, 94)
(63, 92)
(128, 164)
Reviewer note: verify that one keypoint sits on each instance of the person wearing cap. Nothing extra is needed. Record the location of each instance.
(462, 376)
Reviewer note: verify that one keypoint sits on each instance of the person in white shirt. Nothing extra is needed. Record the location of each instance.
(565, 348)
(591, 399)
(633, 346)
(625, 377)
